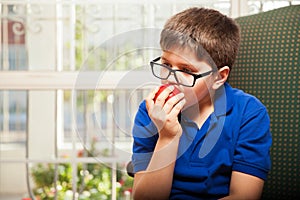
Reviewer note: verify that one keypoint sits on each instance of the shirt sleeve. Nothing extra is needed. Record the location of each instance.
(144, 139)
(252, 152)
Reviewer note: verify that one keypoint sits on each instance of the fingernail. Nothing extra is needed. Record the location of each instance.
(171, 87)
(180, 95)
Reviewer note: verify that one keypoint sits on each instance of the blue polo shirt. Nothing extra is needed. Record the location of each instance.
(235, 137)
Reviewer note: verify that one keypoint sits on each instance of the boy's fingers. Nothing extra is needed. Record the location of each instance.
(163, 95)
(177, 108)
(172, 102)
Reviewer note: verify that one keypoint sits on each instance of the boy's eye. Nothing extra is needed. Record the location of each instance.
(182, 68)
(167, 64)
(185, 69)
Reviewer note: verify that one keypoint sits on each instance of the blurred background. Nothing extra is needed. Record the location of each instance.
(72, 74)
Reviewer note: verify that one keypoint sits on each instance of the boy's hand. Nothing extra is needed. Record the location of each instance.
(164, 105)
(162, 87)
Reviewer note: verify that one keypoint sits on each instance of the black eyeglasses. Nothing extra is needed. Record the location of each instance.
(182, 77)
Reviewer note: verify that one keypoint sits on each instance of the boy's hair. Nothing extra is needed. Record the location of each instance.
(203, 30)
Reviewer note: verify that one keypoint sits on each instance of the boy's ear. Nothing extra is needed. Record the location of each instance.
(221, 77)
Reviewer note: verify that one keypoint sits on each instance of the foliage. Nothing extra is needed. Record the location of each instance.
(93, 180)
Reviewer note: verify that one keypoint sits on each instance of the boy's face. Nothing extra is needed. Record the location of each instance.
(184, 59)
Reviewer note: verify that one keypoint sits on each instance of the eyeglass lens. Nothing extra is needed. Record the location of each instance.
(164, 72)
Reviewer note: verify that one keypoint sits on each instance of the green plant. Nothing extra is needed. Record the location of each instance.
(93, 180)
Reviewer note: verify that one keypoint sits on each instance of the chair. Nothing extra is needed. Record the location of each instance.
(268, 67)
(129, 169)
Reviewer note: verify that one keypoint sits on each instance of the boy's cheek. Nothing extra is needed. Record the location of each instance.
(190, 97)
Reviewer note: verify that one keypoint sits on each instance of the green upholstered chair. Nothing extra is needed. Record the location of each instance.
(268, 66)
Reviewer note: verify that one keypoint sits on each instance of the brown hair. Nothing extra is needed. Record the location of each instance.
(203, 30)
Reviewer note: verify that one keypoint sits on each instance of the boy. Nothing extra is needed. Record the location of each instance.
(219, 149)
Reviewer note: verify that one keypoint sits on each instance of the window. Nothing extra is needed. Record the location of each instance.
(72, 74)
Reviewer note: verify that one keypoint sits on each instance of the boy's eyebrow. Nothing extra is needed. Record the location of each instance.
(181, 64)
(163, 58)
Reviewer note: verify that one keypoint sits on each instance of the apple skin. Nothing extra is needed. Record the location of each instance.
(162, 87)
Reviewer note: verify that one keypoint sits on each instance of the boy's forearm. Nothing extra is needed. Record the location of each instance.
(156, 181)
(244, 186)
(164, 154)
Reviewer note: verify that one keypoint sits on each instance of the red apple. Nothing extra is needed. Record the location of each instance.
(162, 87)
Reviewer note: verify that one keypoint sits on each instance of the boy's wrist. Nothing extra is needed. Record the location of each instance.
(165, 140)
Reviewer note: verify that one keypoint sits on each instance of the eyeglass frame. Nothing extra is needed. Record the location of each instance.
(173, 71)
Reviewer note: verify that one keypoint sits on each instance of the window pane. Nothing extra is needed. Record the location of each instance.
(13, 50)
(13, 116)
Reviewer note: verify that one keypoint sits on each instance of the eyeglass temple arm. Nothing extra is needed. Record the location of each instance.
(205, 73)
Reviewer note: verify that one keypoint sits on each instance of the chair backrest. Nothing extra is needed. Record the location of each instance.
(268, 66)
